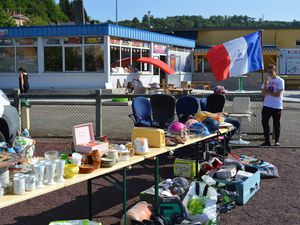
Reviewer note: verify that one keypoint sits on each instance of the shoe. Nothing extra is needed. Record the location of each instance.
(277, 143)
(265, 144)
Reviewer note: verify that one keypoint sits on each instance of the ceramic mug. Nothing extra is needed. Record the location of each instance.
(126, 154)
(30, 182)
(113, 154)
(141, 145)
(19, 184)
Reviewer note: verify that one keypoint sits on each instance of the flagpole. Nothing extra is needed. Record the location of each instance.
(262, 53)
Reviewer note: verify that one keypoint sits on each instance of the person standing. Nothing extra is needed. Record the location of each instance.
(272, 91)
(23, 80)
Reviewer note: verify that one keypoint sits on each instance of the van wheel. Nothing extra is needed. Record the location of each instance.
(2, 137)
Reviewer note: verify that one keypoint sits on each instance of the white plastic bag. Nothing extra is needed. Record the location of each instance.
(200, 193)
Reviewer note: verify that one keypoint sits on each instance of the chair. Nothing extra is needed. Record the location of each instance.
(241, 109)
(142, 112)
(203, 104)
(215, 103)
(186, 106)
(163, 109)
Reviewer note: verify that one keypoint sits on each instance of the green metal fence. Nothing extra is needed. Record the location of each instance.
(54, 113)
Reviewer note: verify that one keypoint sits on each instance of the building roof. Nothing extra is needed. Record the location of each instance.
(97, 29)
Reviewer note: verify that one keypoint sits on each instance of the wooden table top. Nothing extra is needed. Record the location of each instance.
(10, 198)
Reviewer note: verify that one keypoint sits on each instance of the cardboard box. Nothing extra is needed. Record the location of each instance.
(84, 140)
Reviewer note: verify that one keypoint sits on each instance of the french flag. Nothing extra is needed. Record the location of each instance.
(236, 57)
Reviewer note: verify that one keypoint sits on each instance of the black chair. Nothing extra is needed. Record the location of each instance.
(142, 112)
(186, 106)
(163, 109)
(215, 103)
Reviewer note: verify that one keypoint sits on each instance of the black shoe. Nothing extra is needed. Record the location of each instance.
(277, 144)
(265, 144)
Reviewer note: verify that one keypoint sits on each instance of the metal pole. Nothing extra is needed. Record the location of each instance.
(98, 113)
(262, 53)
(117, 12)
(124, 195)
(149, 14)
(89, 184)
(156, 180)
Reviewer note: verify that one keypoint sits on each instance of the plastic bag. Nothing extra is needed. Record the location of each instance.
(201, 203)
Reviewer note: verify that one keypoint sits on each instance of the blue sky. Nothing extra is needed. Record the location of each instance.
(103, 10)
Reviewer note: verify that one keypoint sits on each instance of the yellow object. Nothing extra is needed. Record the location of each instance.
(71, 170)
(201, 116)
(155, 136)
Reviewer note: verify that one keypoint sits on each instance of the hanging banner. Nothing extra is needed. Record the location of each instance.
(159, 49)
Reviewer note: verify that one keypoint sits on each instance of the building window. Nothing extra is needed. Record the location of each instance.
(125, 59)
(53, 59)
(145, 53)
(73, 58)
(94, 56)
(7, 59)
(297, 43)
(136, 54)
(115, 56)
(27, 58)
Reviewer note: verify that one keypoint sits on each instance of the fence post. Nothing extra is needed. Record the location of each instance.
(17, 104)
(98, 113)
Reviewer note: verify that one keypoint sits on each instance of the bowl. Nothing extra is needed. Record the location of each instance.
(71, 170)
(51, 155)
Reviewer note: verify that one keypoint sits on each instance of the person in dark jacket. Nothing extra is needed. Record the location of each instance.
(23, 80)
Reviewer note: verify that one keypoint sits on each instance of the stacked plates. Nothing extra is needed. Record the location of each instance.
(107, 162)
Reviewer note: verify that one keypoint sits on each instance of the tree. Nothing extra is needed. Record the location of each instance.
(65, 7)
(5, 18)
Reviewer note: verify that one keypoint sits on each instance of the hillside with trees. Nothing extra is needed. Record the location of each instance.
(196, 22)
(45, 12)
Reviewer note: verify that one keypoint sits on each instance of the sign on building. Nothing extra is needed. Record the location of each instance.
(290, 61)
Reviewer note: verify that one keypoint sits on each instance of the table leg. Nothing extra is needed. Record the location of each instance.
(124, 195)
(156, 180)
(197, 158)
(90, 199)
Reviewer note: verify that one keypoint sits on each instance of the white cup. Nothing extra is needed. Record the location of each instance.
(60, 167)
(76, 158)
(38, 170)
(113, 154)
(30, 182)
(50, 172)
(19, 184)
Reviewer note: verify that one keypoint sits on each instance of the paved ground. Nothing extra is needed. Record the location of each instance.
(277, 201)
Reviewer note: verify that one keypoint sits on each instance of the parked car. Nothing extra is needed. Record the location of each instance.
(9, 120)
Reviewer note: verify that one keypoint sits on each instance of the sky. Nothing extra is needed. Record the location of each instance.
(103, 10)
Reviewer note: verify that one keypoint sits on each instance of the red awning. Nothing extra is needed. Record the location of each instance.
(158, 63)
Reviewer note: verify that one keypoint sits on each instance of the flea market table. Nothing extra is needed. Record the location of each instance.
(10, 199)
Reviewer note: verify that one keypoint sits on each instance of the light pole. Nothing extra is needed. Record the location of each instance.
(149, 14)
(117, 12)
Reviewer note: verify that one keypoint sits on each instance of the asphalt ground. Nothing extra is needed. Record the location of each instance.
(277, 201)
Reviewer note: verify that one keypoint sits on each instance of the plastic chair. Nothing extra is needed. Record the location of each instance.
(186, 106)
(163, 109)
(142, 112)
(241, 109)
